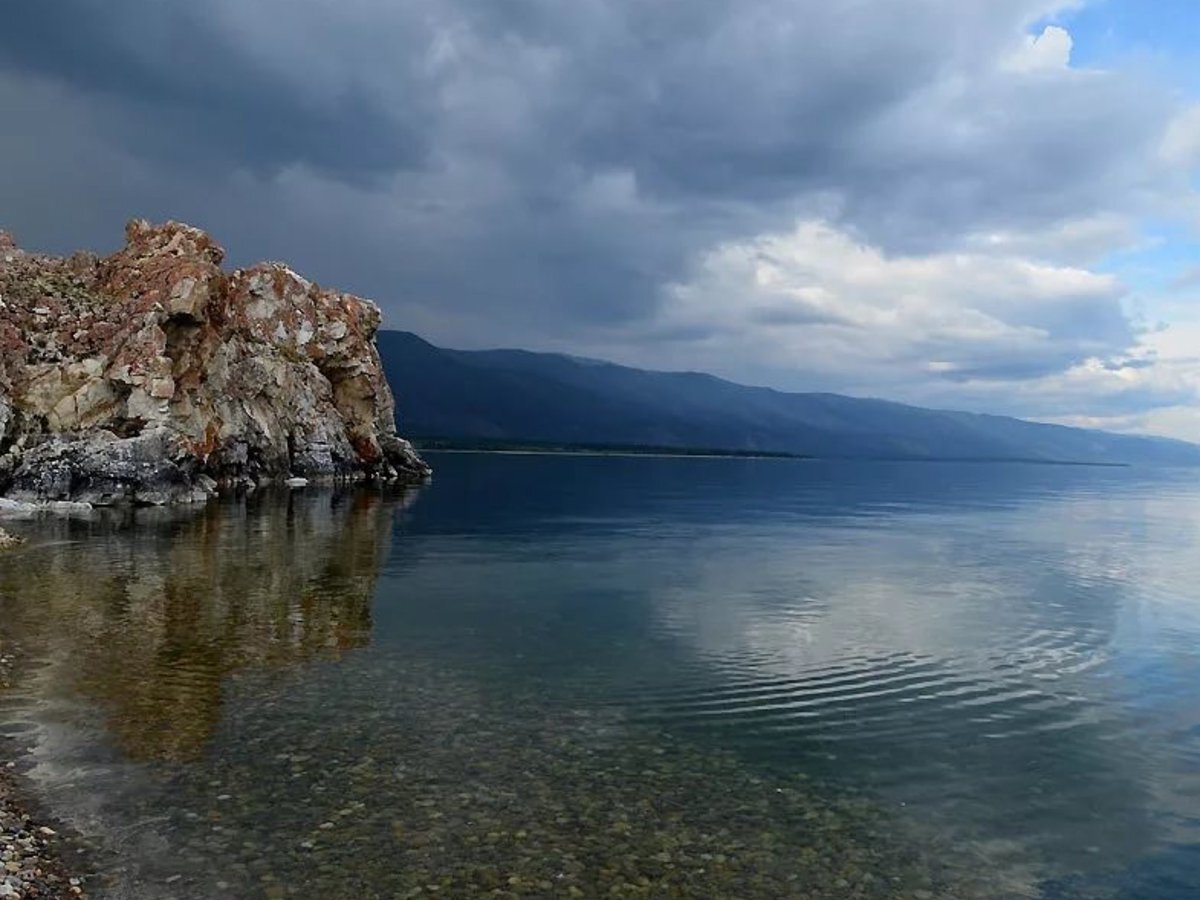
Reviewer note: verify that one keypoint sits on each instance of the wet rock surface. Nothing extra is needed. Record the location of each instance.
(152, 376)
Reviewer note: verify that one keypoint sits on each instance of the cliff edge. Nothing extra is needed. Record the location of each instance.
(152, 376)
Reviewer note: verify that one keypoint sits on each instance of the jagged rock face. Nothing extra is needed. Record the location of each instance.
(151, 375)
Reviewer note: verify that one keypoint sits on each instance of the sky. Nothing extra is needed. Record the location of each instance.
(977, 204)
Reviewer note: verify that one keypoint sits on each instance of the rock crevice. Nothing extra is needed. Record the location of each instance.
(153, 375)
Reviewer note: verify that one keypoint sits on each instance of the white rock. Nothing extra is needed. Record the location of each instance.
(15, 509)
(68, 507)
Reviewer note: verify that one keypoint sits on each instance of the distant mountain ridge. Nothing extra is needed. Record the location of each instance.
(513, 396)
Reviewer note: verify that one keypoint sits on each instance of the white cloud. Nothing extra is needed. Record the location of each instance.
(986, 328)
(1181, 143)
(1181, 421)
(817, 300)
(1076, 241)
(1046, 51)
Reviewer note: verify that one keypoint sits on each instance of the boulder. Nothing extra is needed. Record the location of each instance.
(153, 376)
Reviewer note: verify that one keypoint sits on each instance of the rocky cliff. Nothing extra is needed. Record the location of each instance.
(153, 376)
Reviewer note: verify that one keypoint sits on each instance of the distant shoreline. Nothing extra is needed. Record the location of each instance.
(435, 446)
(653, 454)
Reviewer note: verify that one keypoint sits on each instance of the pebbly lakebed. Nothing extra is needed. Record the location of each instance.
(598, 677)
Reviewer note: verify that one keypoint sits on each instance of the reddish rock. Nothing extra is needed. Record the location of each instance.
(141, 376)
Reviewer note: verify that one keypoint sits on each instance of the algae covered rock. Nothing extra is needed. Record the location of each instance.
(153, 374)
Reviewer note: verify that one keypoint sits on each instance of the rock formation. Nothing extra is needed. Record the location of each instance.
(153, 376)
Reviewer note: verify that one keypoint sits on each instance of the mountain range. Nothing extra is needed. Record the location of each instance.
(520, 398)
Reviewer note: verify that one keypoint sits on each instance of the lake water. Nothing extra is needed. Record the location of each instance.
(599, 677)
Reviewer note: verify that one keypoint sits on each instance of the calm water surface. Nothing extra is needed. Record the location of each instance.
(586, 677)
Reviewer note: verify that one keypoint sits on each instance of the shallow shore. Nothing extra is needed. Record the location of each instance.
(278, 774)
(32, 864)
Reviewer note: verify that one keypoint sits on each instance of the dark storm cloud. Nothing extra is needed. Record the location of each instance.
(177, 85)
(768, 101)
(519, 171)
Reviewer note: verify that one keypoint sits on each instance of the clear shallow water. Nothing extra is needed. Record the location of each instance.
(578, 676)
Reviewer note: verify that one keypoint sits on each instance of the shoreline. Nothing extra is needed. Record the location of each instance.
(33, 851)
(625, 454)
(775, 457)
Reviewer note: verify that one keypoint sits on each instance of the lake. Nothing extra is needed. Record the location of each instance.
(558, 676)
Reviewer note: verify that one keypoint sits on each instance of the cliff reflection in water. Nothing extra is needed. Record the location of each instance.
(150, 620)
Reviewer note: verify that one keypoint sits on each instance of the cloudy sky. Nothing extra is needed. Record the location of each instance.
(983, 204)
